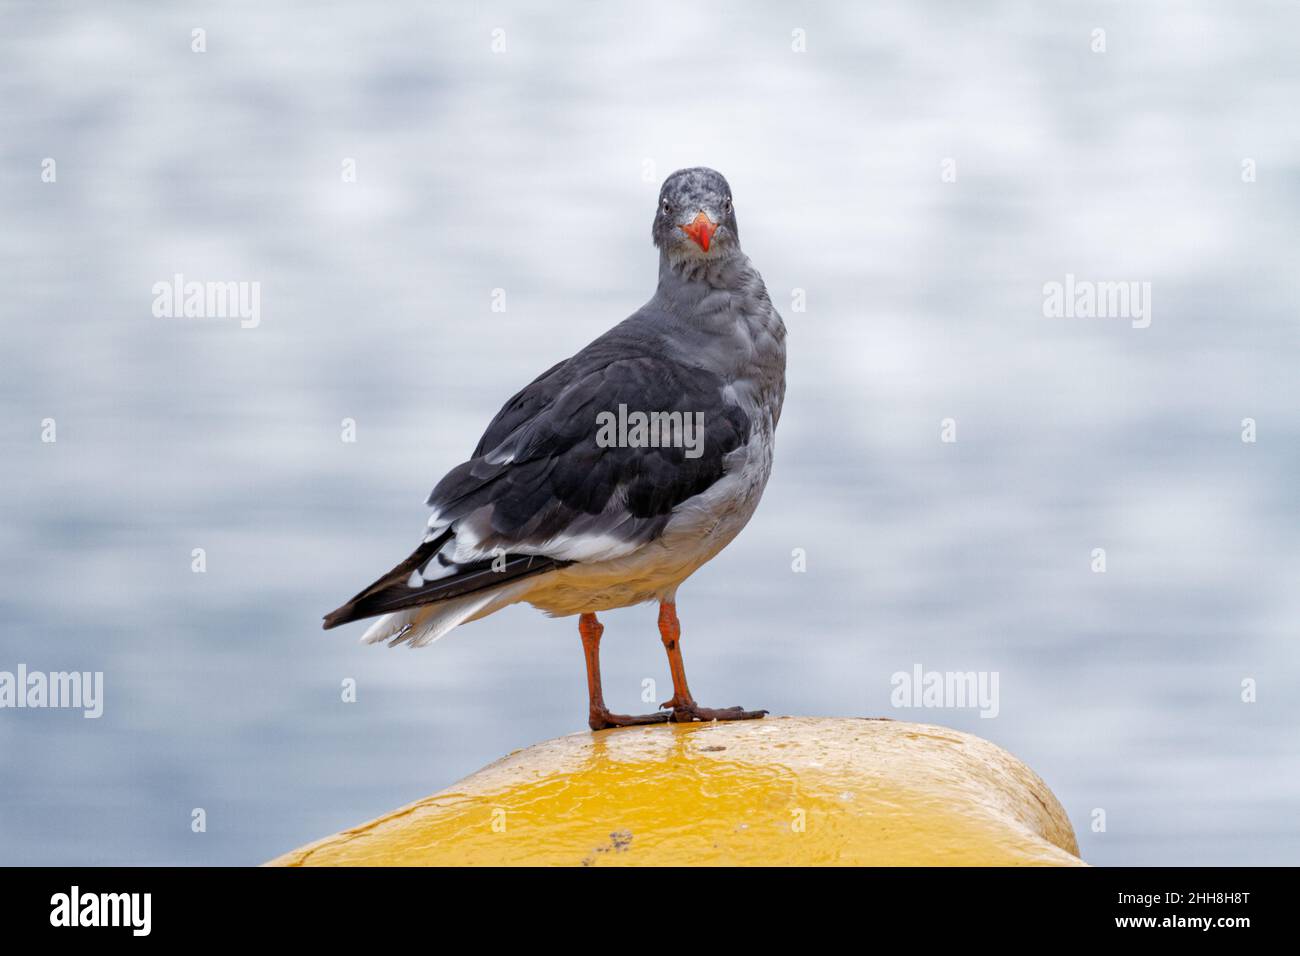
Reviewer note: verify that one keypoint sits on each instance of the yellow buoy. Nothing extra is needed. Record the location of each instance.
(789, 791)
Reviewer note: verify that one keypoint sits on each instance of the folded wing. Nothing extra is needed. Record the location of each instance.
(546, 488)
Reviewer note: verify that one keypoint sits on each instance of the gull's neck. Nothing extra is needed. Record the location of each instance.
(731, 273)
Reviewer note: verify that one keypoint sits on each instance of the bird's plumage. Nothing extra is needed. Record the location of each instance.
(541, 483)
(547, 511)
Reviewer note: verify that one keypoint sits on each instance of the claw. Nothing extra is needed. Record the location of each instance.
(603, 719)
(690, 712)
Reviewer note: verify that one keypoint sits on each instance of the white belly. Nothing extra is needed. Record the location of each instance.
(698, 529)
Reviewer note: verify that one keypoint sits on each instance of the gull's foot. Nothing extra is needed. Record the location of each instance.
(603, 719)
(689, 711)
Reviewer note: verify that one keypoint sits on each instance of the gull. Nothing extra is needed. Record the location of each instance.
(617, 473)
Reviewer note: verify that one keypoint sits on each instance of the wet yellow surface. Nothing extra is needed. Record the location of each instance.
(781, 791)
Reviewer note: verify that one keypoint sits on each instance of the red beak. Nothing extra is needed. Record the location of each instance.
(701, 230)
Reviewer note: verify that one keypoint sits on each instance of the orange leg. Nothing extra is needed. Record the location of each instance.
(683, 704)
(599, 717)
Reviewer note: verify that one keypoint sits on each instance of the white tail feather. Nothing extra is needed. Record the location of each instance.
(421, 626)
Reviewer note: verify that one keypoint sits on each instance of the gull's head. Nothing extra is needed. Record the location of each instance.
(696, 218)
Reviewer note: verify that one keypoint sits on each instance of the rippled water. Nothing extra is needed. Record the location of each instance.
(535, 170)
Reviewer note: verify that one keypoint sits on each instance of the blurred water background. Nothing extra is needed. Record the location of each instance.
(535, 170)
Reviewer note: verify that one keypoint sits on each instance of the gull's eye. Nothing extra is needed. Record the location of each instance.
(726, 206)
(667, 207)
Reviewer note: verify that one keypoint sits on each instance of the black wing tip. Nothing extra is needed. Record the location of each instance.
(336, 617)
(355, 610)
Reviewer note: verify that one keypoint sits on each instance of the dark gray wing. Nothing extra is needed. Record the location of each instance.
(540, 491)
(405, 586)
(540, 481)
